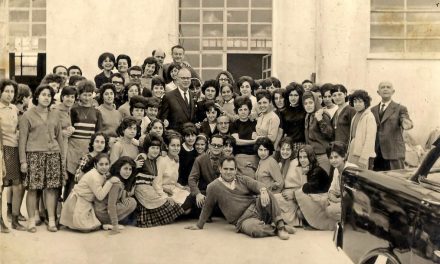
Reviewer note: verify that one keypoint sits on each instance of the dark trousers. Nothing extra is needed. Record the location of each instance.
(70, 183)
(381, 164)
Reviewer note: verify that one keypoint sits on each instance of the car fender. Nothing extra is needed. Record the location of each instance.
(380, 256)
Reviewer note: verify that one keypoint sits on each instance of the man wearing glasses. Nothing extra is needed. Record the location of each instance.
(178, 105)
(206, 168)
(118, 80)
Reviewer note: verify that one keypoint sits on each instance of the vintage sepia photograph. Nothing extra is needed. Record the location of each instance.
(220, 131)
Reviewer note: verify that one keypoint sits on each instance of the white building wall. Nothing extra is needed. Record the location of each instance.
(79, 31)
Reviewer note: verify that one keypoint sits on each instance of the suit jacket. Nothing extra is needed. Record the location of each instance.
(389, 138)
(175, 109)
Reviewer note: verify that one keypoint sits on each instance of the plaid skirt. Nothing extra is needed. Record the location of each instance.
(44, 171)
(162, 215)
(12, 164)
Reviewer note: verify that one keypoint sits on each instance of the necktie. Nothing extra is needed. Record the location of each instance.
(381, 111)
(185, 98)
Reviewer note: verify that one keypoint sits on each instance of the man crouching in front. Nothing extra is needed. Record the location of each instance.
(255, 216)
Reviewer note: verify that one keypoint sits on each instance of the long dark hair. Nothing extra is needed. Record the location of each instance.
(115, 171)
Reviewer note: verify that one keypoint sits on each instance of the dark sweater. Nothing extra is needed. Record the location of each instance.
(100, 79)
(318, 134)
(244, 131)
(318, 181)
(293, 122)
(186, 161)
(341, 124)
(232, 203)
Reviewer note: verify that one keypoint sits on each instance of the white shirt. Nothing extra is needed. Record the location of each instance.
(386, 105)
(229, 185)
(182, 93)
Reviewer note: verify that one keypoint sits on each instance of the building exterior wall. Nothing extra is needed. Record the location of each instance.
(79, 31)
(341, 55)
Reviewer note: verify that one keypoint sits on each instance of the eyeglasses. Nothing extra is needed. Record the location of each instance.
(224, 79)
(216, 145)
(136, 75)
(117, 83)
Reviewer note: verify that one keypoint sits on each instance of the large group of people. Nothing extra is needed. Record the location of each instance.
(150, 144)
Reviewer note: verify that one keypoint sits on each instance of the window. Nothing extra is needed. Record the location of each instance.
(266, 66)
(27, 26)
(210, 29)
(26, 64)
(404, 27)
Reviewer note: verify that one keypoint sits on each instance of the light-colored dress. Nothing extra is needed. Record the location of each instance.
(293, 181)
(168, 173)
(78, 212)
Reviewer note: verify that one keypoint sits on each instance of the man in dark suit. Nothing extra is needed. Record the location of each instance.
(178, 104)
(391, 118)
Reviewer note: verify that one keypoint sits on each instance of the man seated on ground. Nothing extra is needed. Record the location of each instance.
(235, 195)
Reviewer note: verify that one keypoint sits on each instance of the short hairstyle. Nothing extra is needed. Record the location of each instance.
(338, 88)
(286, 140)
(311, 155)
(100, 156)
(105, 86)
(134, 68)
(229, 75)
(240, 101)
(189, 129)
(248, 79)
(266, 143)
(152, 139)
(151, 124)
(151, 60)
(128, 86)
(126, 123)
(54, 69)
(230, 87)
(265, 83)
(228, 158)
(211, 104)
(52, 77)
(314, 97)
(338, 147)
(170, 135)
(326, 87)
(293, 86)
(92, 140)
(104, 56)
(360, 95)
(68, 90)
(202, 137)
(307, 81)
(137, 101)
(263, 94)
(275, 81)
(86, 86)
(23, 91)
(6, 82)
(171, 68)
(177, 47)
(117, 75)
(124, 57)
(216, 136)
(230, 140)
(74, 67)
(281, 92)
(157, 81)
(152, 102)
(210, 83)
(154, 53)
(74, 79)
(115, 170)
(38, 91)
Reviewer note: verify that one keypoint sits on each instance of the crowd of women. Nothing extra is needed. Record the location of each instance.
(100, 151)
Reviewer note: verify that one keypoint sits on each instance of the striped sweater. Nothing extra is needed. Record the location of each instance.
(86, 121)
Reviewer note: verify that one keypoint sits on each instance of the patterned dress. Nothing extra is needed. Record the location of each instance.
(153, 208)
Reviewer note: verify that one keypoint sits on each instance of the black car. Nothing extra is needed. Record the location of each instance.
(394, 216)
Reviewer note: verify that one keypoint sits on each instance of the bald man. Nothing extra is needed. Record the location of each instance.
(391, 119)
(159, 55)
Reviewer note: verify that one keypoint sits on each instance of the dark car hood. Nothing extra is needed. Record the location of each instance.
(403, 173)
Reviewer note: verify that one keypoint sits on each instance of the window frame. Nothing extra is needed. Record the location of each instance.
(405, 55)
